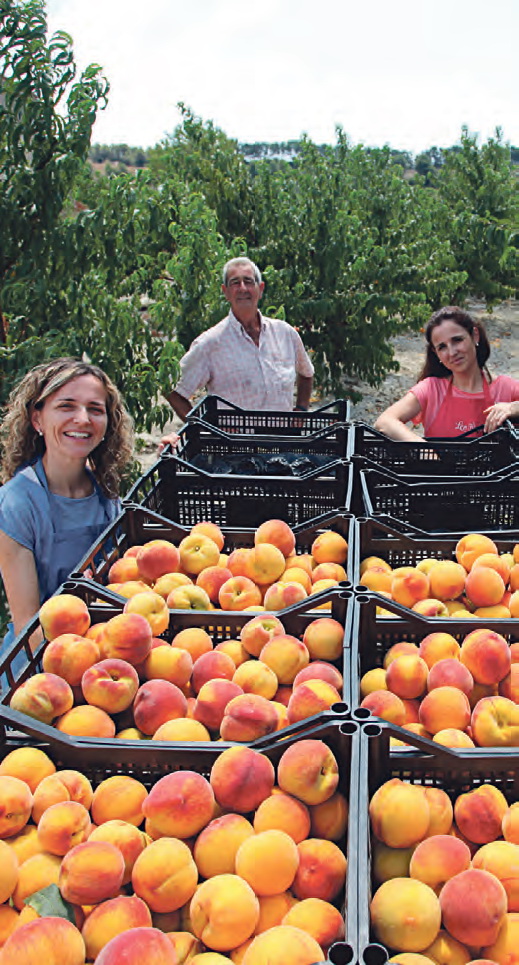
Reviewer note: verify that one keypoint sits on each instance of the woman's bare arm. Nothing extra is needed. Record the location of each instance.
(392, 422)
(20, 580)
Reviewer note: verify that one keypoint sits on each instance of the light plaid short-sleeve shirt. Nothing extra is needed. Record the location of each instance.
(228, 363)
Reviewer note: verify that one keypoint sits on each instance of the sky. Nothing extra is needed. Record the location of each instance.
(408, 73)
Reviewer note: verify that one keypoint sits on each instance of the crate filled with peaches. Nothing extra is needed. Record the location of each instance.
(230, 855)
(438, 854)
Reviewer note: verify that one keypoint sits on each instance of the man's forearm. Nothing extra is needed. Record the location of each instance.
(179, 404)
(304, 390)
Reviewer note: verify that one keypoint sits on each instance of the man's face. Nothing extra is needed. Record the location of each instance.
(242, 291)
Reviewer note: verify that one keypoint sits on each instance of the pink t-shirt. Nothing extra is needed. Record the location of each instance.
(431, 393)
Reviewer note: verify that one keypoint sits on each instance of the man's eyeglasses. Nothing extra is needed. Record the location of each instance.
(236, 282)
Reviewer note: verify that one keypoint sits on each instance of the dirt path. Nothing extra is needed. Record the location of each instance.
(502, 326)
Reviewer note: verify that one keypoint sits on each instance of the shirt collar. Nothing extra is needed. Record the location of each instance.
(238, 325)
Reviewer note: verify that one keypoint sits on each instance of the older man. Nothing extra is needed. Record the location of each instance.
(250, 360)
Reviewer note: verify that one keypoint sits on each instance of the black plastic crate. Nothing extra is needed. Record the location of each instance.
(491, 455)
(137, 525)
(100, 760)
(177, 490)
(426, 764)
(378, 537)
(442, 505)
(371, 636)
(103, 605)
(211, 449)
(231, 418)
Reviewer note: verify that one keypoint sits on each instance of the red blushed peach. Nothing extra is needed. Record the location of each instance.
(471, 546)
(241, 779)
(110, 684)
(479, 813)
(451, 737)
(403, 646)
(408, 585)
(495, 722)
(437, 859)
(165, 662)
(155, 558)
(153, 607)
(445, 707)
(239, 593)
(91, 872)
(138, 945)
(54, 941)
(438, 646)
(216, 846)
(484, 586)
(501, 858)
(406, 676)
(450, 673)
(127, 637)
(248, 717)
(320, 670)
(473, 905)
(236, 562)
(212, 579)
(119, 797)
(487, 655)
(321, 872)
(296, 574)
(258, 631)
(264, 564)
(311, 697)
(440, 811)
(330, 547)
(510, 823)
(111, 918)
(412, 710)
(330, 819)
(185, 944)
(324, 639)
(283, 695)
(179, 805)
(86, 721)
(286, 656)
(430, 607)
(277, 533)
(498, 563)
(62, 826)
(254, 677)
(69, 655)
(308, 770)
(399, 814)
(127, 837)
(64, 785)
(157, 701)
(211, 666)
(329, 571)
(370, 561)
(378, 579)
(212, 700)
(394, 919)
(124, 569)
(43, 696)
(64, 613)
(319, 919)
(282, 595)
(383, 703)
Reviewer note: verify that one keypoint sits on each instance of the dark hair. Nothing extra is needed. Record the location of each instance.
(432, 364)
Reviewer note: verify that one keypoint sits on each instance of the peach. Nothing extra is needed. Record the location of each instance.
(473, 905)
(430, 607)
(445, 707)
(224, 912)
(487, 655)
(25, 843)
(62, 826)
(318, 918)
(479, 813)
(198, 551)
(330, 547)
(91, 872)
(406, 676)
(35, 873)
(471, 546)
(186, 945)
(264, 564)
(513, 605)
(127, 637)
(286, 656)
(153, 607)
(320, 670)
(165, 875)
(54, 941)
(329, 571)
(504, 950)
(123, 570)
(212, 579)
(438, 646)
(86, 721)
(212, 700)
(110, 684)
(389, 862)
(311, 697)
(452, 737)
(210, 666)
(165, 662)
(241, 779)
(329, 820)
(397, 650)
(372, 680)
(239, 593)
(495, 722)
(255, 677)
(128, 589)
(444, 950)
(377, 579)
(383, 703)
(450, 673)
(484, 586)
(497, 563)
(394, 917)
(125, 836)
(277, 533)
(111, 918)
(235, 650)
(283, 812)
(447, 579)
(237, 561)
(283, 945)
(370, 561)
(400, 814)
(169, 582)
(182, 729)
(501, 858)
(69, 655)
(321, 871)
(210, 529)
(193, 639)
(138, 945)
(157, 701)
(440, 810)
(408, 585)
(437, 859)
(282, 595)
(157, 557)
(247, 717)
(119, 798)
(8, 871)
(188, 597)
(43, 696)
(268, 861)
(496, 612)
(15, 805)
(64, 613)
(8, 922)
(309, 771)
(216, 846)
(510, 823)
(180, 804)
(296, 574)
(258, 631)
(324, 639)
(29, 764)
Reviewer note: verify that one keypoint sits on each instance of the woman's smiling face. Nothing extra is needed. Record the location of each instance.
(73, 420)
(454, 346)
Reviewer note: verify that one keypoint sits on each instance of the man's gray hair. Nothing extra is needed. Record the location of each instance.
(240, 261)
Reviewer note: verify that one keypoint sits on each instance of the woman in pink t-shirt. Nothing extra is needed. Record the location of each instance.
(455, 393)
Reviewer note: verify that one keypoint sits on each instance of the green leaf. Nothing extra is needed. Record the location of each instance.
(49, 903)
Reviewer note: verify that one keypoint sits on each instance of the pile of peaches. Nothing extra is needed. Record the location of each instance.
(460, 696)
(242, 866)
(186, 690)
(447, 876)
(196, 575)
(481, 582)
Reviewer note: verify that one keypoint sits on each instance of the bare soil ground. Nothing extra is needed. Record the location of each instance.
(502, 327)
